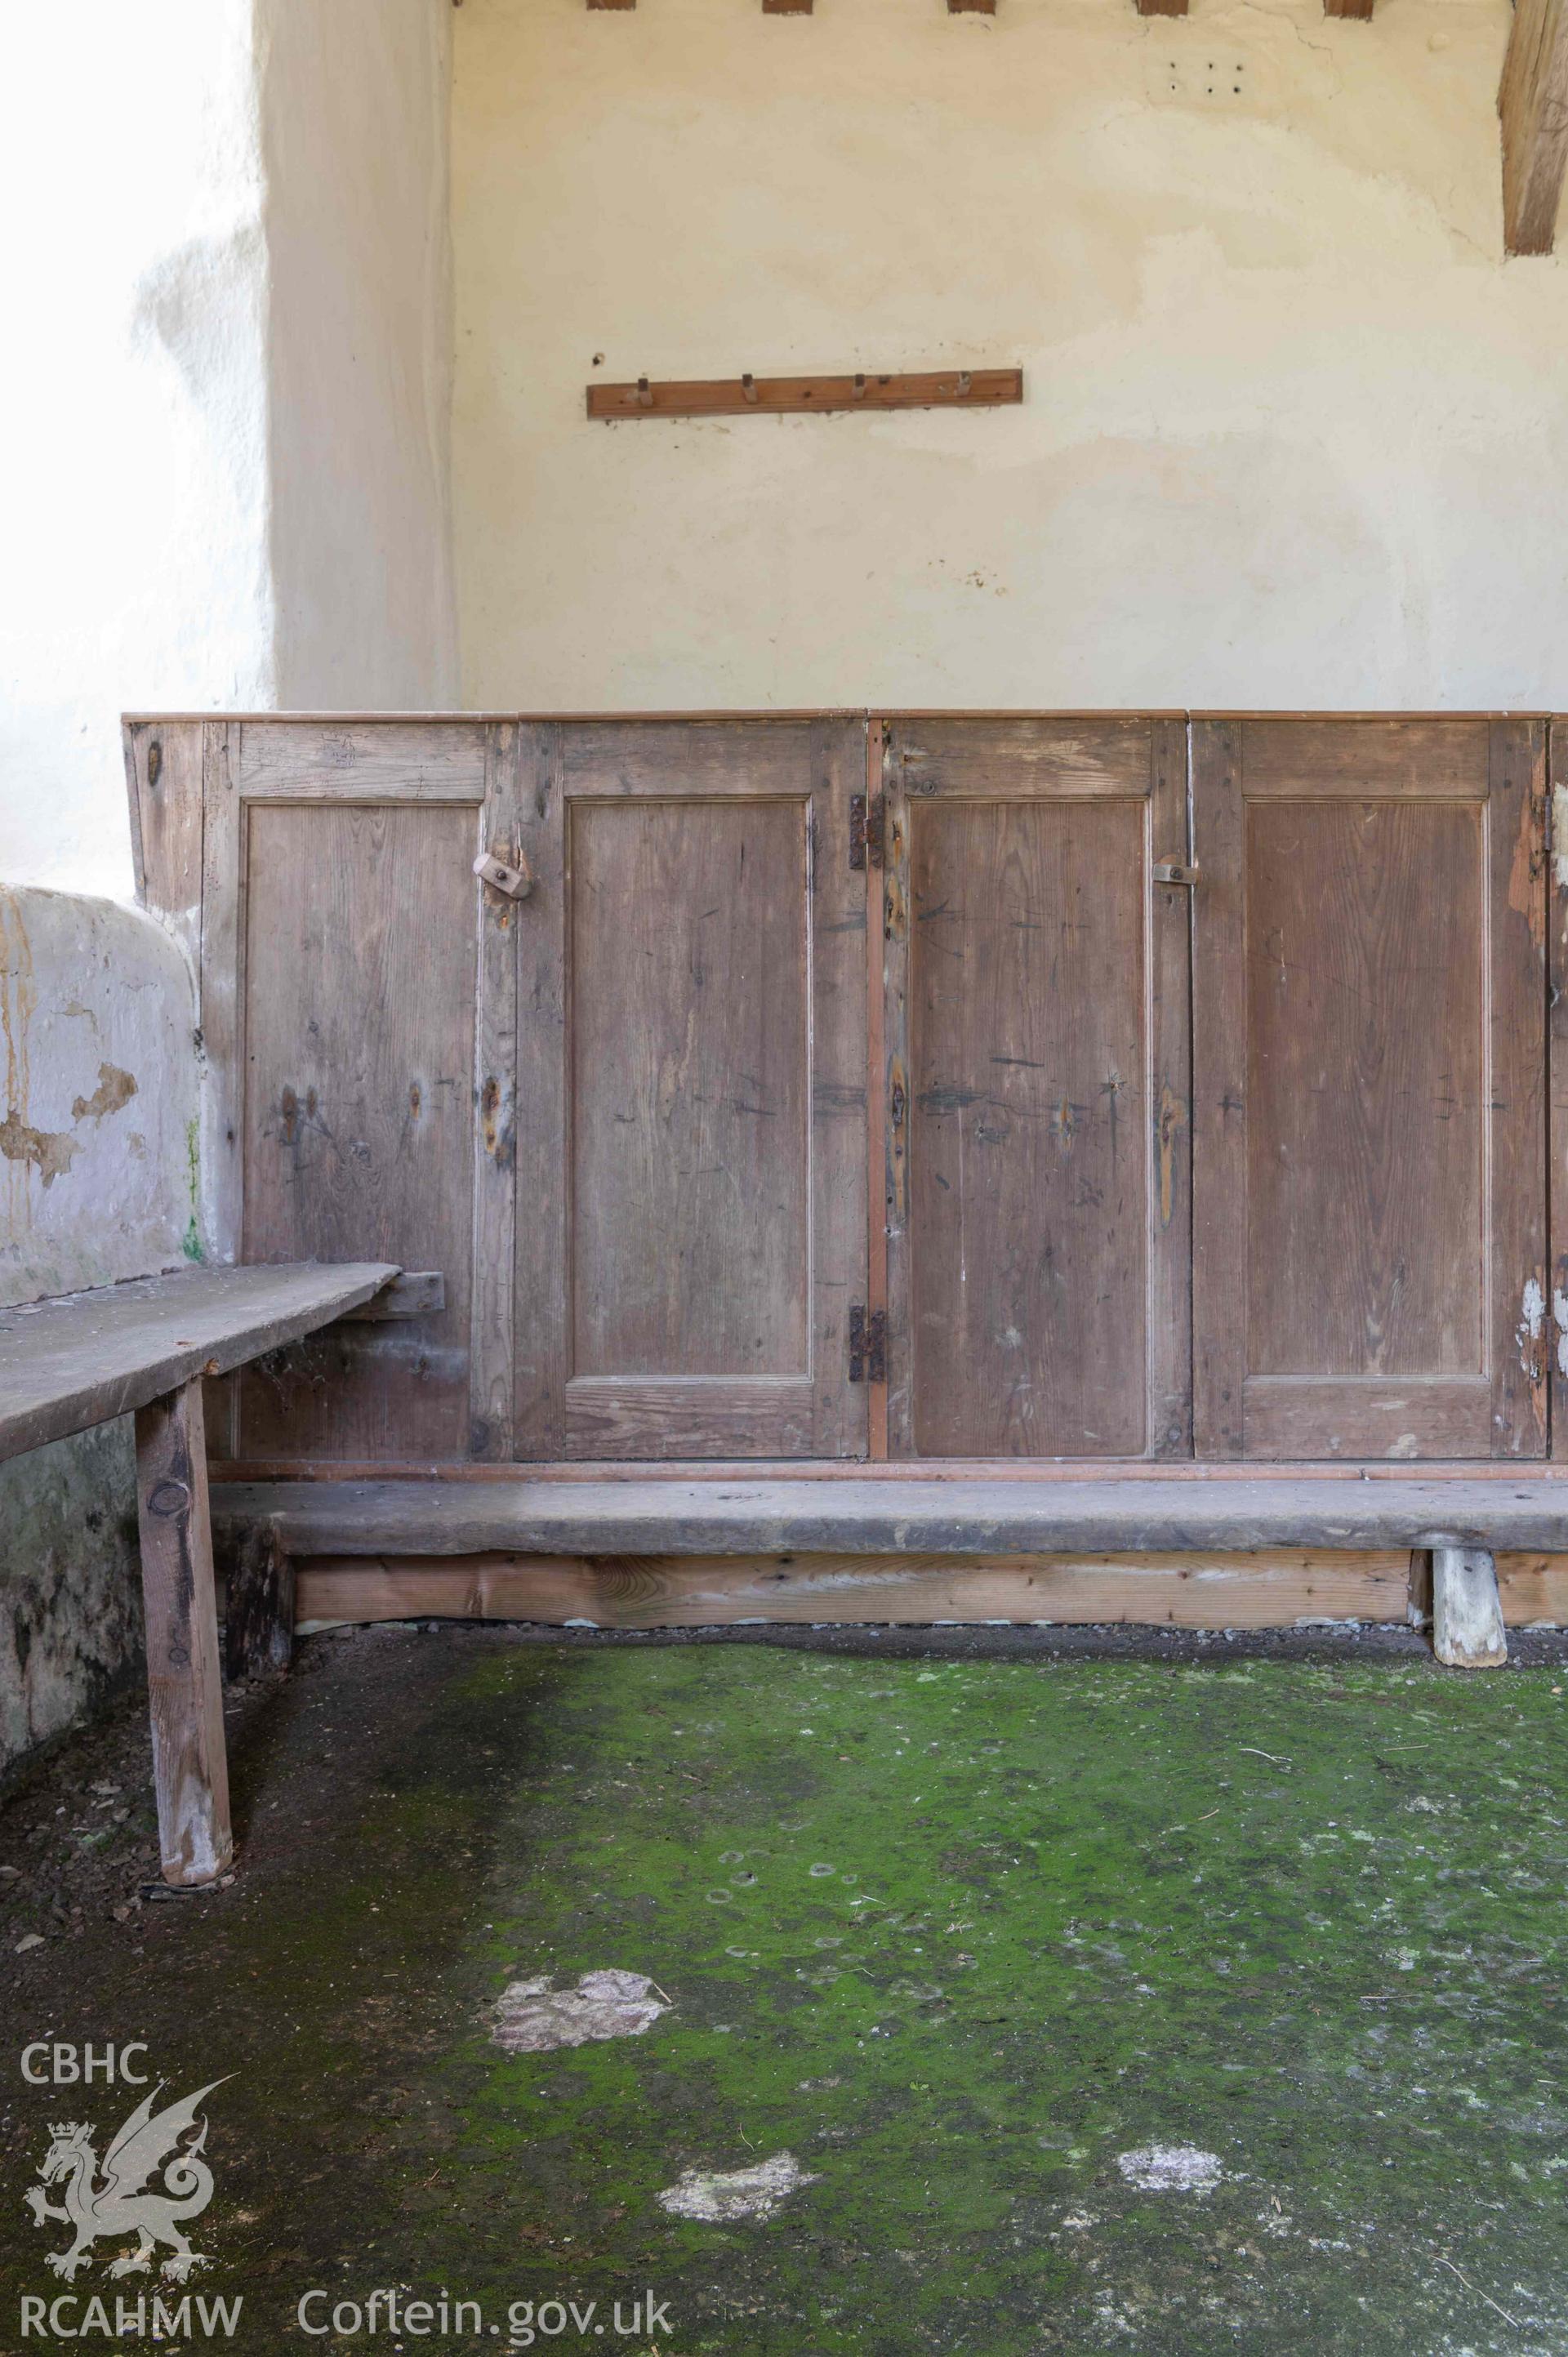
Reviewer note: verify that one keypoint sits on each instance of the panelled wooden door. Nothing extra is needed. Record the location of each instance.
(1369, 1153)
(1036, 1047)
(1250, 1167)
(342, 930)
(691, 1123)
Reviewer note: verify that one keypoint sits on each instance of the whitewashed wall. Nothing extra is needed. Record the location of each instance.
(1294, 431)
(223, 440)
(354, 134)
(133, 408)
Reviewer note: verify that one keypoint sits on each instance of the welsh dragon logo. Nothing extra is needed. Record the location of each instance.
(122, 2201)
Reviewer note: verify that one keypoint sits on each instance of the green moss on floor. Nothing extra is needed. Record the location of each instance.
(957, 1935)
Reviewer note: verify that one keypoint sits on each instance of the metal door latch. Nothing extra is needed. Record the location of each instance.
(513, 879)
(1172, 871)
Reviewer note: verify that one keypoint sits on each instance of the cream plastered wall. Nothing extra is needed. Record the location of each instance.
(133, 406)
(1294, 434)
(223, 425)
(354, 125)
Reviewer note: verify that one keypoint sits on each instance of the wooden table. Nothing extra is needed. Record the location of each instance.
(144, 1349)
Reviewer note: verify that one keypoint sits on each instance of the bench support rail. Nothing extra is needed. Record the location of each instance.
(1467, 1631)
(190, 1769)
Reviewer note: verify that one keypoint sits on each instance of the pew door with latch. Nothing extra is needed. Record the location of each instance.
(1370, 1151)
(1035, 1019)
(690, 1092)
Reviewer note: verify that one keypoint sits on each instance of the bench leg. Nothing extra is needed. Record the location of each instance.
(190, 1768)
(1467, 1631)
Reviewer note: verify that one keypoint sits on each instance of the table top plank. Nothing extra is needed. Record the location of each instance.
(79, 1359)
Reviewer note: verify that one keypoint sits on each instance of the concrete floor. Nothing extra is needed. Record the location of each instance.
(1100, 2005)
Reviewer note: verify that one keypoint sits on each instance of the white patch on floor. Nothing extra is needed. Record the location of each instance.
(1170, 2169)
(531, 2018)
(717, 2196)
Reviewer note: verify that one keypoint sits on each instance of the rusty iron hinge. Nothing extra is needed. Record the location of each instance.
(866, 830)
(867, 1346)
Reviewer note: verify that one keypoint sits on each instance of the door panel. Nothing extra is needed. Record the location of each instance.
(1037, 1017)
(354, 924)
(1369, 1164)
(691, 1161)
(694, 1157)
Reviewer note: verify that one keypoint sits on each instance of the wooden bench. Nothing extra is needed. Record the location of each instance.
(564, 1535)
(144, 1349)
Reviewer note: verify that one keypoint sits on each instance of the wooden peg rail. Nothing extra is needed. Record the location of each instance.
(749, 396)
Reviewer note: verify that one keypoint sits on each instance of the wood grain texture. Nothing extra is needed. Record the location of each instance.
(258, 1605)
(876, 739)
(540, 1249)
(1532, 101)
(185, 1685)
(714, 1054)
(413, 1293)
(1108, 1515)
(1035, 1164)
(348, 761)
(1027, 1111)
(1533, 1589)
(358, 1116)
(1168, 1101)
(1364, 758)
(840, 1169)
(1557, 1085)
(1515, 1247)
(1219, 1094)
(803, 396)
(163, 779)
(715, 1415)
(896, 970)
(1359, 1417)
(220, 1003)
(1384, 1118)
(605, 758)
(691, 1155)
(83, 1358)
(1283, 1589)
(1029, 1471)
(1364, 1087)
(998, 759)
(499, 921)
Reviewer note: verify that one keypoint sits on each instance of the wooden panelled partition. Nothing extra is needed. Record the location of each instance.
(1036, 1043)
(1369, 1143)
(1113, 1135)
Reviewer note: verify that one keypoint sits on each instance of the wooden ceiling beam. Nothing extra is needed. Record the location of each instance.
(1161, 7)
(1533, 103)
(1359, 9)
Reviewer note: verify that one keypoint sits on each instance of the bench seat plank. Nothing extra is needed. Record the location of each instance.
(891, 1517)
(81, 1358)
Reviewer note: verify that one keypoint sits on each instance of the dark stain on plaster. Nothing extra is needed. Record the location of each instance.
(49, 1150)
(114, 1091)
